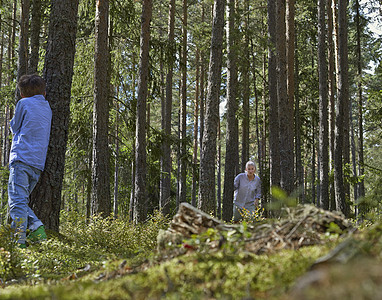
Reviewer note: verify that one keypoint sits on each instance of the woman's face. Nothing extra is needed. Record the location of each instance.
(250, 170)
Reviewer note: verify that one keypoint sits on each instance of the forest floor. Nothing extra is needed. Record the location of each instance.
(306, 254)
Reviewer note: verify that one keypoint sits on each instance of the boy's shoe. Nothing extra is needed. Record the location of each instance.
(38, 235)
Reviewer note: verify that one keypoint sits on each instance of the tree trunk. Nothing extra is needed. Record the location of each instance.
(116, 164)
(332, 89)
(165, 183)
(35, 36)
(284, 106)
(132, 192)
(298, 153)
(246, 90)
(290, 57)
(354, 162)
(361, 168)
(2, 41)
(183, 111)
(323, 108)
(10, 79)
(342, 102)
(264, 166)
(219, 175)
(140, 201)
(207, 195)
(274, 128)
(195, 138)
(202, 100)
(101, 202)
(202, 94)
(313, 162)
(22, 65)
(231, 157)
(58, 72)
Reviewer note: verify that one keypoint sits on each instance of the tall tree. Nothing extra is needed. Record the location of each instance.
(101, 201)
(361, 168)
(58, 72)
(231, 157)
(332, 91)
(290, 57)
(207, 195)
(323, 108)
(196, 129)
(219, 174)
(165, 182)
(8, 109)
(342, 101)
(285, 108)
(183, 110)
(274, 128)
(298, 140)
(116, 164)
(140, 133)
(36, 14)
(246, 89)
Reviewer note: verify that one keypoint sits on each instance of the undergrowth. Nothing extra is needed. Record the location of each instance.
(80, 244)
(82, 262)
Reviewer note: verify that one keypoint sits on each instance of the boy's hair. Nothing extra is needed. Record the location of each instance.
(31, 85)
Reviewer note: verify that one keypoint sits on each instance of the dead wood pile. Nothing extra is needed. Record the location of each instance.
(300, 226)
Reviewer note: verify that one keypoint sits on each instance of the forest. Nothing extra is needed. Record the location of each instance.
(157, 107)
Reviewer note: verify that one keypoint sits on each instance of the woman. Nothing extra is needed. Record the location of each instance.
(247, 193)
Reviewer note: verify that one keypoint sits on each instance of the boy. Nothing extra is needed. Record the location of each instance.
(30, 127)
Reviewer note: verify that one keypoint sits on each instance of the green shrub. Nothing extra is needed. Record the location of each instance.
(116, 236)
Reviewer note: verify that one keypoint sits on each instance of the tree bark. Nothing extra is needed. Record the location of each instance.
(207, 195)
(101, 201)
(323, 108)
(22, 64)
(202, 93)
(165, 183)
(231, 157)
(314, 136)
(58, 72)
(219, 175)
(284, 106)
(183, 110)
(290, 56)
(298, 129)
(332, 91)
(195, 137)
(246, 90)
(274, 127)
(342, 102)
(140, 148)
(35, 36)
(361, 168)
(10, 79)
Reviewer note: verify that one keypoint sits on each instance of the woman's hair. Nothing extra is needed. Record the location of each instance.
(31, 85)
(250, 163)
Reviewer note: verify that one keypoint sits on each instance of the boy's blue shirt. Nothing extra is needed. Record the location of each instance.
(31, 130)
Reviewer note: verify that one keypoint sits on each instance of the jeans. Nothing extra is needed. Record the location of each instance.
(22, 180)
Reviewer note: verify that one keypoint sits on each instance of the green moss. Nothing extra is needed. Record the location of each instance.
(192, 276)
